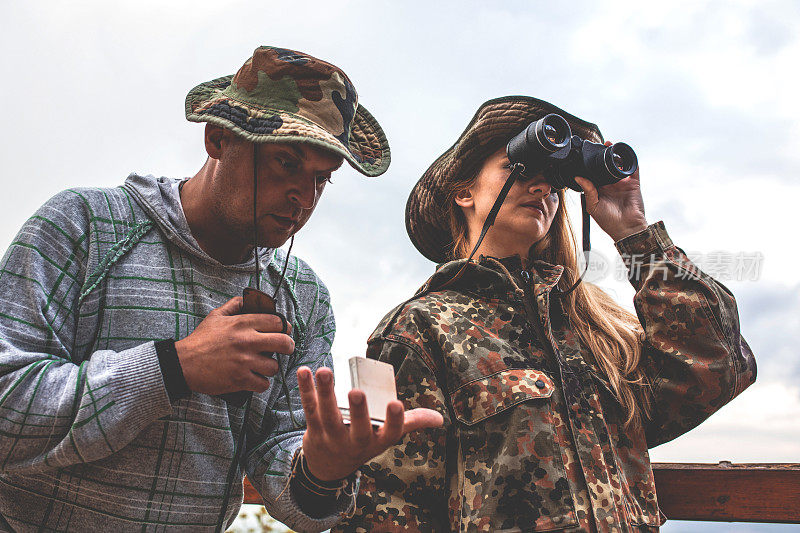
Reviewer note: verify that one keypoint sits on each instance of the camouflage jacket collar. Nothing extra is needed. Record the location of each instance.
(493, 277)
(511, 279)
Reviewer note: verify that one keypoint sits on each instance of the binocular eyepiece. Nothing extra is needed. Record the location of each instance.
(548, 146)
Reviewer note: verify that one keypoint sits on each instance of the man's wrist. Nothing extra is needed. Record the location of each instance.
(317, 498)
(318, 486)
(171, 370)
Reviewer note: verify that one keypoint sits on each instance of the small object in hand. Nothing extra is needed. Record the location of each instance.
(254, 302)
(257, 302)
(376, 379)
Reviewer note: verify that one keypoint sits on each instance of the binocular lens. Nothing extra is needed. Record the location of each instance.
(547, 135)
(552, 132)
(620, 160)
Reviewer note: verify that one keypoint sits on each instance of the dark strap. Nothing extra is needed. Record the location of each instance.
(174, 380)
(516, 170)
(284, 322)
(587, 246)
(235, 463)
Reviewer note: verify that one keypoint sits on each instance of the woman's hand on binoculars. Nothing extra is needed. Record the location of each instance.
(617, 208)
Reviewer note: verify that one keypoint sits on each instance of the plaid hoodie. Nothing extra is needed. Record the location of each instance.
(89, 439)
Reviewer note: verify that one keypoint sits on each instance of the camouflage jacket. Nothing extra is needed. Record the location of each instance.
(533, 439)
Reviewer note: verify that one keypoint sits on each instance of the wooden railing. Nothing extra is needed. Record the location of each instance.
(728, 492)
(721, 492)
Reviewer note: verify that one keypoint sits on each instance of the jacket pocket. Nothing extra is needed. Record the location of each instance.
(481, 398)
(511, 473)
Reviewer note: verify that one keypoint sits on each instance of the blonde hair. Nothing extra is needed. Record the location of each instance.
(612, 334)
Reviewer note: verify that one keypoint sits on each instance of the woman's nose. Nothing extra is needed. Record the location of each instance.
(539, 188)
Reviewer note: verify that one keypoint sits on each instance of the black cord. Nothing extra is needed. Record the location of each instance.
(255, 217)
(289, 363)
(240, 440)
(237, 452)
(516, 170)
(239, 445)
(587, 246)
(283, 272)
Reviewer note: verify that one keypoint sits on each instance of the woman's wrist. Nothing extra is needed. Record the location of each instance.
(619, 233)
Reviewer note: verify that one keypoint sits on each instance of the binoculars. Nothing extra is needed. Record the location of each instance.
(548, 146)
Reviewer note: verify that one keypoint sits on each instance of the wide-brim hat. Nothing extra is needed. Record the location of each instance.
(495, 122)
(286, 96)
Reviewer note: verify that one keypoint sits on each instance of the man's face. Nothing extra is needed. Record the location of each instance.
(291, 178)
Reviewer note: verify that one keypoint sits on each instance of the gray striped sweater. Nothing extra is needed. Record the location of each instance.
(89, 439)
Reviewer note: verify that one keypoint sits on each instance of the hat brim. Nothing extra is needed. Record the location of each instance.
(427, 219)
(366, 150)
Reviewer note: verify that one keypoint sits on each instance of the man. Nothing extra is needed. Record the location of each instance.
(125, 349)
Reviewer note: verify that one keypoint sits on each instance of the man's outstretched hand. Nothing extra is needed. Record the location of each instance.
(334, 450)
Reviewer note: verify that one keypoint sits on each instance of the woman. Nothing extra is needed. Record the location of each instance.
(550, 398)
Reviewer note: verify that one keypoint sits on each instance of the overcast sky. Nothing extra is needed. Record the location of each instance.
(706, 93)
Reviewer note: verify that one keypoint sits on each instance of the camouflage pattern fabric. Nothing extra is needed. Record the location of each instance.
(282, 95)
(533, 438)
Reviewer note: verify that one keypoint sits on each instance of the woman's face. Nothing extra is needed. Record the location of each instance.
(525, 216)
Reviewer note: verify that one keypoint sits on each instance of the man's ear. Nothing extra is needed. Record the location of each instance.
(213, 138)
(464, 198)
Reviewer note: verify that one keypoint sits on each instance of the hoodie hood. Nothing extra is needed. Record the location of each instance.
(159, 197)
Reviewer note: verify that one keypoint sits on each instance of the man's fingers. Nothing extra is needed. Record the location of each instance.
(257, 382)
(308, 397)
(360, 425)
(265, 323)
(264, 365)
(229, 308)
(328, 408)
(392, 428)
(421, 418)
(270, 343)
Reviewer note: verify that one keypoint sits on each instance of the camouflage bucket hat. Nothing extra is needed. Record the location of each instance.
(285, 96)
(495, 122)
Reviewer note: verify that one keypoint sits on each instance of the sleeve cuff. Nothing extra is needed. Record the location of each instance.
(171, 370)
(141, 394)
(319, 498)
(652, 239)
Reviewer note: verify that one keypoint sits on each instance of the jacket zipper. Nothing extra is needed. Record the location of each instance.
(533, 317)
(552, 350)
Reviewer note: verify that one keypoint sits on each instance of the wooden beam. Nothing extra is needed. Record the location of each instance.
(721, 492)
(728, 492)
(251, 495)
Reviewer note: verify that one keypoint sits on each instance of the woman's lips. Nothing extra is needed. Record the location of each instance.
(535, 206)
